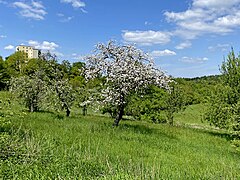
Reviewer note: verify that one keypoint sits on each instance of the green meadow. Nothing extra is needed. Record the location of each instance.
(46, 145)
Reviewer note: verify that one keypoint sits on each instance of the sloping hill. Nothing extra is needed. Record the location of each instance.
(56, 147)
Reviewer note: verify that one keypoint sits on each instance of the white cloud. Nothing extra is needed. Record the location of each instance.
(165, 52)
(37, 5)
(3, 2)
(184, 45)
(186, 59)
(45, 45)
(146, 37)
(58, 54)
(206, 17)
(77, 57)
(31, 10)
(220, 47)
(214, 3)
(60, 15)
(212, 17)
(147, 23)
(3, 36)
(75, 3)
(64, 18)
(9, 47)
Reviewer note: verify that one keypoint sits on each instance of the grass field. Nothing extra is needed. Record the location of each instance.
(50, 146)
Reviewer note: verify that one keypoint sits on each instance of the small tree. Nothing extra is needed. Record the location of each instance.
(174, 102)
(32, 89)
(61, 93)
(126, 70)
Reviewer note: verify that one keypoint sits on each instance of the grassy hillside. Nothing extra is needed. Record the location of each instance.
(49, 146)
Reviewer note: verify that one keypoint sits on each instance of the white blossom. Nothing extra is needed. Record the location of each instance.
(126, 70)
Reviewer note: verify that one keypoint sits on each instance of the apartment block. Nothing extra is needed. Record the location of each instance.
(29, 50)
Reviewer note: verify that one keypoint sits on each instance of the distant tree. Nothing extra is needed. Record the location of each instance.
(15, 63)
(4, 75)
(174, 101)
(62, 94)
(126, 69)
(45, 82)
(32, 89)
(33, 65)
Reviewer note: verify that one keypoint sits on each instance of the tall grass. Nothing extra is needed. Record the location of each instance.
(51, 146)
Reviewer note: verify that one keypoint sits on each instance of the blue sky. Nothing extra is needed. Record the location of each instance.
(187, 38)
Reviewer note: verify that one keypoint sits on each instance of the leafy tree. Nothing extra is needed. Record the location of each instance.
(149, 105)
(33, 65)
(4, 75)
(15, 63)
(126, 70)
(174, 102)
(32, 89)
(156, 104)
(62, 92)
(81, 87)
(45, 81)
(224, 110)
(230, 70)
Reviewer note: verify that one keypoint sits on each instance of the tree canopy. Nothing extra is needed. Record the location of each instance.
(125, 69)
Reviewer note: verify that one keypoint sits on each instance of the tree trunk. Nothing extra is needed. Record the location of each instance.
(170, 117)
(119, 115)
(84, 110)
(31, 107)
(68, 112)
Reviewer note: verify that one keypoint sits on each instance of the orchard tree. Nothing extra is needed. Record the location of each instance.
(32, 89)
(62, 94)
(126, 69)
(174, 101)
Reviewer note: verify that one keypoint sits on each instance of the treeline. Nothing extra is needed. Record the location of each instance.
(122, 80)
(45, 83)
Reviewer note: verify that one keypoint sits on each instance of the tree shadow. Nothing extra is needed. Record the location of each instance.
(223, 135)
(214, 132)
(142, 129)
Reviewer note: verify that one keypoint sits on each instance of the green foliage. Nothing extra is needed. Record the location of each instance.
(4, 75)
(15, 63)
(31, 89)
(197, 90)
(44, 84)
(61, 91)
(231, 71)
(34, 65)
(174, 101)
(225, 102)
(148, 105)
(62, 95)
(156, 105)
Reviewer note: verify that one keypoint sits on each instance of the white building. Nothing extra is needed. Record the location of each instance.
(29, 50)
